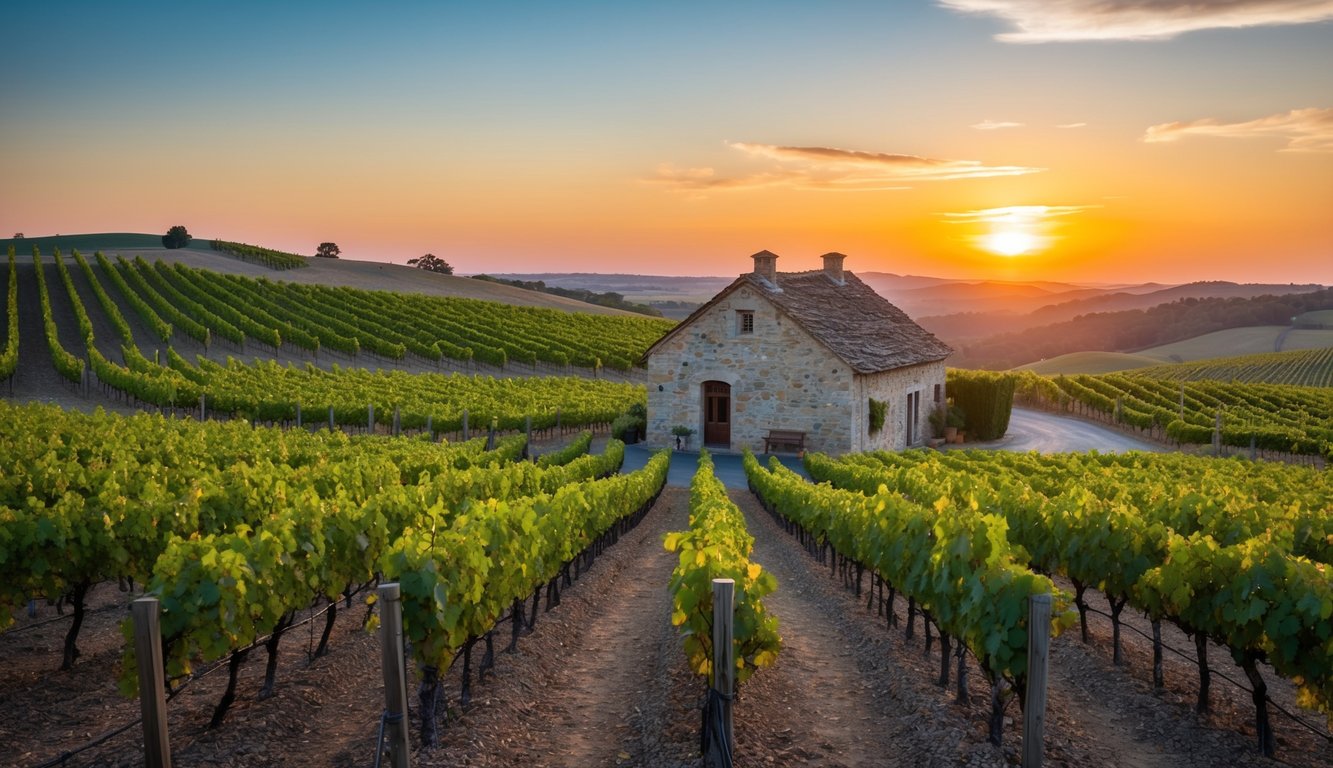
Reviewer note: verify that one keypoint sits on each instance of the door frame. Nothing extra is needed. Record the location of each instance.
(714, 430)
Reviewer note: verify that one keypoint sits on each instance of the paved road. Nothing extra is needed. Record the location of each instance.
(1028, 431)
(727, 466)
(1048, 433)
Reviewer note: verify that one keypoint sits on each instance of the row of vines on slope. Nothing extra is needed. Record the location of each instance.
(9, 358)
(389, 324)
(718, 546)
(273, 393)
(952, 562)
(236, 529)
(1275, 417)
(1299, 367)
(266, 256)
(1232, 551)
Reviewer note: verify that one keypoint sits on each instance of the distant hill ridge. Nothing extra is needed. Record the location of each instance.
(1138, 329)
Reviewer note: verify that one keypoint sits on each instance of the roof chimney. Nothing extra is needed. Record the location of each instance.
(833, 267)
(766, 266)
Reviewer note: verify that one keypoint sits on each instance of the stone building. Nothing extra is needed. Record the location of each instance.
(813, 352)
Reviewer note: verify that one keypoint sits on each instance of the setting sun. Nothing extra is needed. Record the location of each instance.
(1009, 242)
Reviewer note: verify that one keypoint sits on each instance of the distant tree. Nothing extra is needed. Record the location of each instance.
(328, 250)
(432, 263)
(18, 235)
(176, 237)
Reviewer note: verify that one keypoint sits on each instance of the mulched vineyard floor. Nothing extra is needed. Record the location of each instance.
(602, 681)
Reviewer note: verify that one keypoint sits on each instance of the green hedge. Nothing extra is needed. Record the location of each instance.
(987, 399)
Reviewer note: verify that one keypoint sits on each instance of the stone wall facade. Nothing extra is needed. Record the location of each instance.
(780, 378)
(893, 388)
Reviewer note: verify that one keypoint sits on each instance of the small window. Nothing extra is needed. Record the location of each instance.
(744, 321)
(939, 394)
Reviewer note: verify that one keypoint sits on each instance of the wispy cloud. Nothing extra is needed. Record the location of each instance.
(1072, 125)
(832, 169)
(995, 125)
(1306, 130)
(1015, 214)
(1044, 21)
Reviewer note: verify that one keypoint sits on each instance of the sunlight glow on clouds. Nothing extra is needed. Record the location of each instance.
(995, 125)
(1306, 130)
(1044, 21)
(831, 169)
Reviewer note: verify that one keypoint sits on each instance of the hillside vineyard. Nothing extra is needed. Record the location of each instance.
(270, 392)
(1277, 417)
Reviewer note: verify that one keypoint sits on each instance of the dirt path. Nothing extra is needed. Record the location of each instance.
(617, 680)
(844, 691)
(601, 682)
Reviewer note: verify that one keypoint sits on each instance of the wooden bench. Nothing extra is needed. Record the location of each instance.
(787, 437)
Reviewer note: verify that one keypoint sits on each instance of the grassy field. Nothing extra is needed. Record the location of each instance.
(1251, 340)
(89, 242)
(1089, 362)
(1321, 317)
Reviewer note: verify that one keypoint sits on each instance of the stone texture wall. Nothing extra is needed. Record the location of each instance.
(892, 387)
(781, 378)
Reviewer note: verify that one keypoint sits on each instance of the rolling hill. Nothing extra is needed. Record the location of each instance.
(1139, 330)
(1089, 362)
(347, 273)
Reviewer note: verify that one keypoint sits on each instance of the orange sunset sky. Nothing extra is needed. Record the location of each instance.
(1084, 140)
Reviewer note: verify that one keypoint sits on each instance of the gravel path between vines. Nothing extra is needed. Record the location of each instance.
(602, 680)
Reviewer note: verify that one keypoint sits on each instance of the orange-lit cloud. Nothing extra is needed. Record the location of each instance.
(995, 125)
(1044, 21)
(1306, 130)
(1072, 125)
(832, 169)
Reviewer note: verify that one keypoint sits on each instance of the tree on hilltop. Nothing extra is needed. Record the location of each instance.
(328, 250)
(176, 237)
(431, 263)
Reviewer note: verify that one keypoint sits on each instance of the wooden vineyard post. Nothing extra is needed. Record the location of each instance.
(203, 412)
(152, 689)
(724, 666)
(298, 415)
(397, 421)
(370, 418)
(1034, 705)
(466, 436)
(330, 418)
(527, 447)
(395, 682)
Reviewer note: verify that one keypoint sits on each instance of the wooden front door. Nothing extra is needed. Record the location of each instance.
(717, 413)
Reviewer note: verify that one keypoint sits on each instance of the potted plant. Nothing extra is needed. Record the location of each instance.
(682, 434)
(954, 421)
(937, 417)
